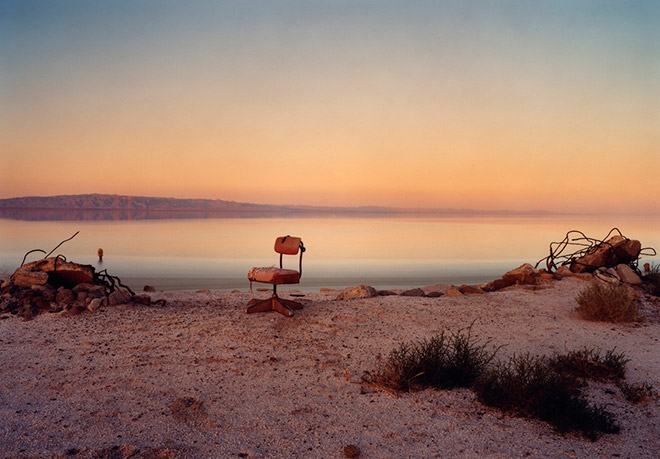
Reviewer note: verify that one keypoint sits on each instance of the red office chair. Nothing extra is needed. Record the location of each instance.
(285, 245)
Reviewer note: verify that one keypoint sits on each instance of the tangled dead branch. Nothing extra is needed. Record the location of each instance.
(111, 282)
(581, 245)
(49, 253)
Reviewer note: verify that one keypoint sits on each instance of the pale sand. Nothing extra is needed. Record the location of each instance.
(263, 385)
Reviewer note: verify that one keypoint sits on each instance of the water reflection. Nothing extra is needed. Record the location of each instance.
(387, 252)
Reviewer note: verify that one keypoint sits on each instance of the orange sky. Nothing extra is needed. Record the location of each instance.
(431, 106)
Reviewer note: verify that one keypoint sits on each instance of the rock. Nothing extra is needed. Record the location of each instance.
(119, 297)
(470, 289)
(497, 284)
(235, 291)
(387, 293)
(41, 304)
(453, 291)
(149, 288)
(563, 271)
(627, 275)
(626, 250)
(45, 291)
(57, 271)
(546, 276)
(141, 299)
(614, 251)
(352, 451)
(76, 310)
(327, 290)
(606, 276)
(205, 290)
(95, 304)
(523, 274)
(26, 278)
(435, 294)
(360, 291)
(65, 296)
(413, 292)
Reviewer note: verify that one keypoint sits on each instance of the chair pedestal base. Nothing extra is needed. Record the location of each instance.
(274, 303)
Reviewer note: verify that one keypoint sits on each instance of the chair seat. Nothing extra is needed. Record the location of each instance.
(275, 276)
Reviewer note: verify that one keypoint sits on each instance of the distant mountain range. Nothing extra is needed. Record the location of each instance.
(118, 207)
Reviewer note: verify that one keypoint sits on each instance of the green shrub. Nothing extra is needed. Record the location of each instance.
(446, 360)
(529, 386)
(607, 302)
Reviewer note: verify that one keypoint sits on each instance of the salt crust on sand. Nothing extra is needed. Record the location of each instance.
(200, 377)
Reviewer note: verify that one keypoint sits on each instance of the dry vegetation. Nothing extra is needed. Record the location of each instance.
(547, 388)
(445, 361)
(608, 303)
(652, 279)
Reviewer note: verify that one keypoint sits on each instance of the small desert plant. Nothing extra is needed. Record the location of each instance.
(4, 274)
(588, 363)
(652, 279)
(636, 393)
(446, 360)
(607, 302)
(529, 386)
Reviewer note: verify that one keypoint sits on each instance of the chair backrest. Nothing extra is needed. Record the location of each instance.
(287, 245)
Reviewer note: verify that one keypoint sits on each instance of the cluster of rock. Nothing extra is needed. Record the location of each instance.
(57, 286)
(616, 251)
(609, 261)
(435, 291)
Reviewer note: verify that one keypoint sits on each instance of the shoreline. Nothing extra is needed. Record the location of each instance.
(200, 378)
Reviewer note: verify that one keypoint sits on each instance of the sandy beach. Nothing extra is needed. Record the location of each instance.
(200, 378)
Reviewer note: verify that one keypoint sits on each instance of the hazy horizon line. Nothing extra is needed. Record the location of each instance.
(309, 207)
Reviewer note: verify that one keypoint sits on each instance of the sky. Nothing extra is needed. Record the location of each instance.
(544, 105)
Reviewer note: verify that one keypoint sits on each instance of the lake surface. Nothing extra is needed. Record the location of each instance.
(400, 252)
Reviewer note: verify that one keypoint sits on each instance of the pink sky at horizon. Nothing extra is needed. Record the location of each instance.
(433, 105)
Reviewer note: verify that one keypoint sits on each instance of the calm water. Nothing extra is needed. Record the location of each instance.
(384, 252)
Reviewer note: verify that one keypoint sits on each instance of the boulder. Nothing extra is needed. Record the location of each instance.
(54, 271)
(45, 291)
(95, 304)
(453, 291)
(563, 271)
(607, 275)
(141, 299)
(470, 289)
(64, 296)
(413, 292)
(616, 250)
(149, 288)
(25, 278)
(360, 291)
(627, 275)
(497, 284)
(523, 274)
(119, 297)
